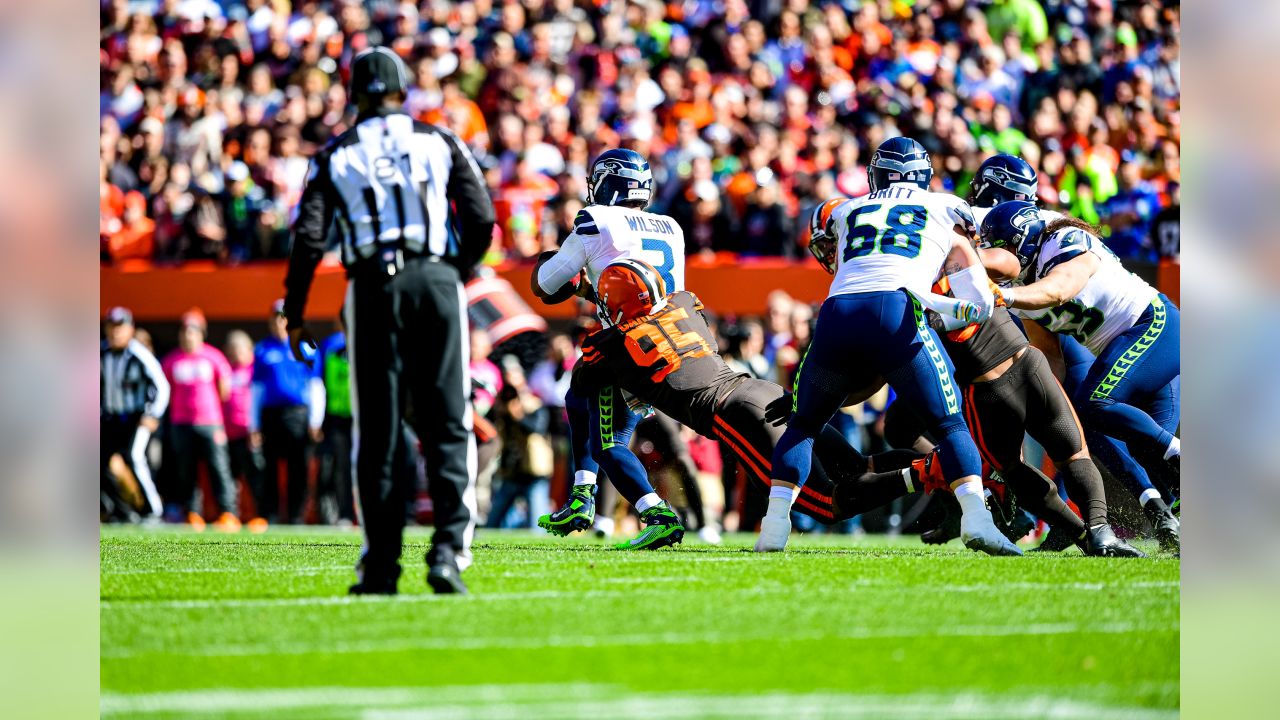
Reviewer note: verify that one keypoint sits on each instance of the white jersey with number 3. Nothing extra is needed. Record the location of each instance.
(610, 233)
(898, 237)
(1110, 302)
(603, 234)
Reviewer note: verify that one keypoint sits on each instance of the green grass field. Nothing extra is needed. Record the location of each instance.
(260, 626)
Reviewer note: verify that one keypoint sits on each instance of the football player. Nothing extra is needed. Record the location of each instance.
(613, 226)
(661, 349)
(1004, 178)
(1071, 284)
(891, 246)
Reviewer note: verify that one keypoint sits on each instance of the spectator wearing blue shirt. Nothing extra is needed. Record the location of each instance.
(1128, 213)
(285, 418)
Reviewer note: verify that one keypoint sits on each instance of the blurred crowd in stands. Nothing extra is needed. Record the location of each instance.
(751, 112)
(271, 436)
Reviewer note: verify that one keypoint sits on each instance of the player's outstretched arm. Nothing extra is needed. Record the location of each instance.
(1060, 285)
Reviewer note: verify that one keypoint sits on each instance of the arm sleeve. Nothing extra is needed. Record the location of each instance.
(972, 284)
(473, 208)
(159, 401)
(315, 402)
(567, 262)
(315, 214)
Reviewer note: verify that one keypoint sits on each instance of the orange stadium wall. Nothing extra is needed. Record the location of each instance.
(245, 292)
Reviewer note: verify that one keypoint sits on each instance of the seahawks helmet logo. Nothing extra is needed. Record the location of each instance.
(1023, 219)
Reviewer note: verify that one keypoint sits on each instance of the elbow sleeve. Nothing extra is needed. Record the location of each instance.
(972, 284)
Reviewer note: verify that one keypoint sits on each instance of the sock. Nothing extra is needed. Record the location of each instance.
(1147, 496)
(780, 501)
(1174, 449)
(906, 477)
(972, 498)
(584, 477)
(647, 501)
(1083, 475)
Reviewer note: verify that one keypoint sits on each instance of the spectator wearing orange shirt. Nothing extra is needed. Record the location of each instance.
(136, 236)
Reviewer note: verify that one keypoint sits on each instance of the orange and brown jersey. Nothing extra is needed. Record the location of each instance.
(667, 359)
(975, 349)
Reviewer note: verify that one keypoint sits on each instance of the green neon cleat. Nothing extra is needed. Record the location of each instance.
(577, 514)
(662, 528)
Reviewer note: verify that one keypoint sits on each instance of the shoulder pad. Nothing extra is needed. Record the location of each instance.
(585, 223)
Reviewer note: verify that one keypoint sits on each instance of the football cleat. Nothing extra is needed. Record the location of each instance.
(577, 514)
(1166, 527)
(1101, 541)
(195, 521)
(774, 533)
(979, 533)
(662, 528)
(443, 574)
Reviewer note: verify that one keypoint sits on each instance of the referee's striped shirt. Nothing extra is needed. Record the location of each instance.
(390, 181)
(133, 383)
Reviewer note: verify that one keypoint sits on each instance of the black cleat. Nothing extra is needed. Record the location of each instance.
(443, 574)
(946, 532)
(375, 583)
(1166, 527)
(1101, 541)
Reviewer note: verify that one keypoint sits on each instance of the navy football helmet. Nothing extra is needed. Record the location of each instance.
(620, 177)
(1015, 226)
(900, 159)
(1001, 178)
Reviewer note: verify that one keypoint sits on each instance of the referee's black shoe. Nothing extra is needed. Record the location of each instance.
(443, 574)
(371, 584)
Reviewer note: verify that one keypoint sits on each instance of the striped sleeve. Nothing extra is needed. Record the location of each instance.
(585, 224)
(158, 398)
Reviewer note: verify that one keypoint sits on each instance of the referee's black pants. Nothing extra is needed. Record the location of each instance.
(407, 336)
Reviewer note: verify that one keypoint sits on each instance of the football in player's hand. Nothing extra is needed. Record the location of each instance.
(564, 292)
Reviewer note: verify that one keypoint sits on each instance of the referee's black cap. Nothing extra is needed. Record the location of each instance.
(378, 71)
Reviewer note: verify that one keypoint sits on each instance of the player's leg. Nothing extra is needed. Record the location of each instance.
(1052, 421)
(822, 384)
(922, 375)
(1135, 366)
(579, 511)
(613, 424)
(665, 434)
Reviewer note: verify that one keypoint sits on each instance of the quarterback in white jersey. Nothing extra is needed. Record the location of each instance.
(887, 249)
(1072, 284)
(604, 234)
(614, 226)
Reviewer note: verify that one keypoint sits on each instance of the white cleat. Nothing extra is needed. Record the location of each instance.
(774, 533)
(981, 534)
(709, 535)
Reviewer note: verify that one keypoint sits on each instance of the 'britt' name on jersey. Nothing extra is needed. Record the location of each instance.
(640, 223)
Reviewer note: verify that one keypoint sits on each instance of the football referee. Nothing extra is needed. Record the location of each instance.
(414, 218)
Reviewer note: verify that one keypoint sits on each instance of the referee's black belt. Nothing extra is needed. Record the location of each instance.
(389, 261)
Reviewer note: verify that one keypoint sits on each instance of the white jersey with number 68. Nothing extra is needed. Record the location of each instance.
(898, 237)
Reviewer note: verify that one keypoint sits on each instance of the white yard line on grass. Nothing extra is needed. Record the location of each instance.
(329, 646)
(518, 702)
(212, 603)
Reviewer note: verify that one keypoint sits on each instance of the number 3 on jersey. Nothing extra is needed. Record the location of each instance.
(666, 265)
(900, 234)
